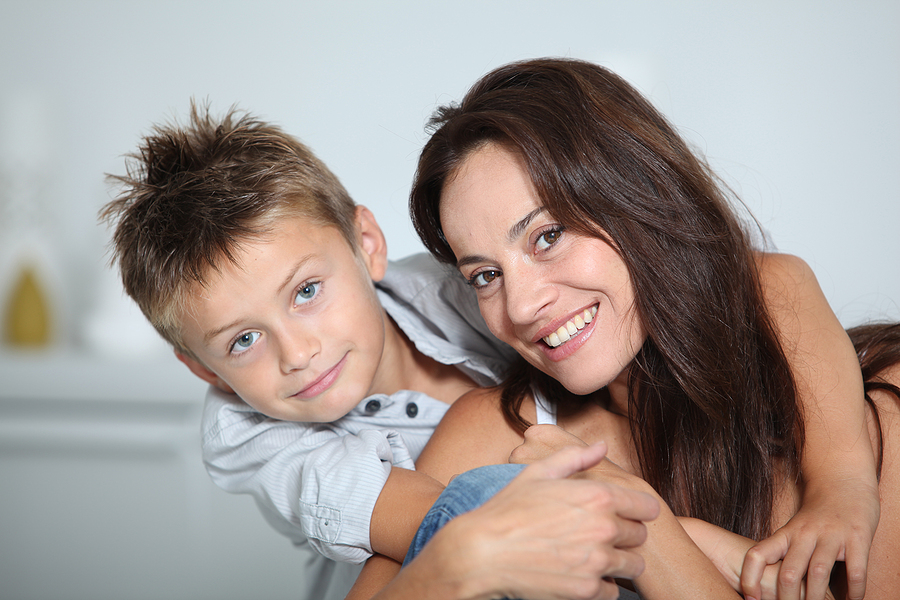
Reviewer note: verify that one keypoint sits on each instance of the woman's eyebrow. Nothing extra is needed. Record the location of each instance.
(512, 235)
(516, 230)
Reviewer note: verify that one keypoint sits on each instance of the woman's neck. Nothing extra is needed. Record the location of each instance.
(618, 392)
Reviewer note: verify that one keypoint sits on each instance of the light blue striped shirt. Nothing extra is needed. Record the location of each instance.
(317, 483)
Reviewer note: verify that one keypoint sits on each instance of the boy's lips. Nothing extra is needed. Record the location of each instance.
(323, 382)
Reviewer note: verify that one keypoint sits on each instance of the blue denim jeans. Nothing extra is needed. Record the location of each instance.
(467, 492)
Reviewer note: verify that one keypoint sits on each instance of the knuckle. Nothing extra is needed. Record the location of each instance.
(856, 576)
(599, 563)
(789, 578)
(755, 555)
(856, 580)
(819, 570)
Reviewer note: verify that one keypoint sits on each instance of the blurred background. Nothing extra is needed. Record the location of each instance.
(794, 103)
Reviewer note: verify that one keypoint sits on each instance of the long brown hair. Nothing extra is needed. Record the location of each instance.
(712, 401)
(878, 348)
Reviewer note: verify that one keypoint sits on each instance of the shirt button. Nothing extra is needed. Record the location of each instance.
(373, 406)
(412, 410)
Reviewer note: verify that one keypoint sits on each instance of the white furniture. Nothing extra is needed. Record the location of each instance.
(103, 494)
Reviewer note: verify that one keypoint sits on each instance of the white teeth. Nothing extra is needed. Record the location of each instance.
(572, 327)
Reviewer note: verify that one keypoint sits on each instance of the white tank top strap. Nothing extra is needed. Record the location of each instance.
(546, 410)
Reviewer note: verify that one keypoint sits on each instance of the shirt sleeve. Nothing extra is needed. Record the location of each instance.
(313, 482)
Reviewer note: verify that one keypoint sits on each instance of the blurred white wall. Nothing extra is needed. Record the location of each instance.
(795, 104)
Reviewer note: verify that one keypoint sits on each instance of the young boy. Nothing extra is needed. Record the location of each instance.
(329, 366)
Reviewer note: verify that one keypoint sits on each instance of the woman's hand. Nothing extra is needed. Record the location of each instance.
(544, 536)
(836, 524)
(540, 442)
(727, 551)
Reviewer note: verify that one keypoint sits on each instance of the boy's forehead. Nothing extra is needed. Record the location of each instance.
(297, 230)
(262, 264)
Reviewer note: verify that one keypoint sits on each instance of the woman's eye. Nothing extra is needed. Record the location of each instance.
(307, 292)
(548, 238)
(244, 341)
(484, 278)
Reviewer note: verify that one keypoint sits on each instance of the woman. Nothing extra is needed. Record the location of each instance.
(603, 251)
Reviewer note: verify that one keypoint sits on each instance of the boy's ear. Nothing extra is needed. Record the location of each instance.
(201, 371)
(372, 244)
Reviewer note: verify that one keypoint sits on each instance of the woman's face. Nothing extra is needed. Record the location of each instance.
(563, 300)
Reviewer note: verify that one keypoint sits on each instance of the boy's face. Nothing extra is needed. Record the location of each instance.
(296, 328)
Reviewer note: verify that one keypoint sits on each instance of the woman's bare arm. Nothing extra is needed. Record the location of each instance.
(840, 508)
(676, 568)
(542, 536)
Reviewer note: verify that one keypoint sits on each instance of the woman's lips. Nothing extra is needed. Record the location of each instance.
(570, 328)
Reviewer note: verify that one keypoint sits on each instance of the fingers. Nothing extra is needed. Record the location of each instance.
(566, 462)
(767, 552)
(857, 561)
(794, 569)
(624, 564)
(820, 564)
(633, 505)
(625, 503)
(630, 533)
(806, 566)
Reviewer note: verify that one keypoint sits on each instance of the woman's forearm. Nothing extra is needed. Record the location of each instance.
(825, 368)
(543, 535)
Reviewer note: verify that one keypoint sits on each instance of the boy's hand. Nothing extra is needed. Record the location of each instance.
(836, 524)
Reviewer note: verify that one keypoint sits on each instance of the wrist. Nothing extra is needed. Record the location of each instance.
(451, 564)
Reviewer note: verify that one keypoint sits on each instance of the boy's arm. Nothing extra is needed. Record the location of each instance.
(312, 483)
(403, 503)
(840, 509)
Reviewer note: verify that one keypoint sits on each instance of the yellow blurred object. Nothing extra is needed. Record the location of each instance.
(27, 318)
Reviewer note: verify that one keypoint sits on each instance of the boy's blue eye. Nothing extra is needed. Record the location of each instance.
(307, 292)
(244, 341)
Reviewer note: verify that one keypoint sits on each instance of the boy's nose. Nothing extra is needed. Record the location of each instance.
(296, 351)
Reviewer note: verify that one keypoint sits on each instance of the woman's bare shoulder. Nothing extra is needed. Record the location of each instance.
(473, 433)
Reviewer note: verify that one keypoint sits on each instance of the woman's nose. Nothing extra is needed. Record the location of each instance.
(527, 293)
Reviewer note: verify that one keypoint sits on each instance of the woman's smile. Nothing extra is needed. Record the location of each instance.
(563, 300)
(571, 328)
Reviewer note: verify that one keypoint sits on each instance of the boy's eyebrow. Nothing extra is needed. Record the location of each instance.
(514, 232)
(293, 273)
(209, 336)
